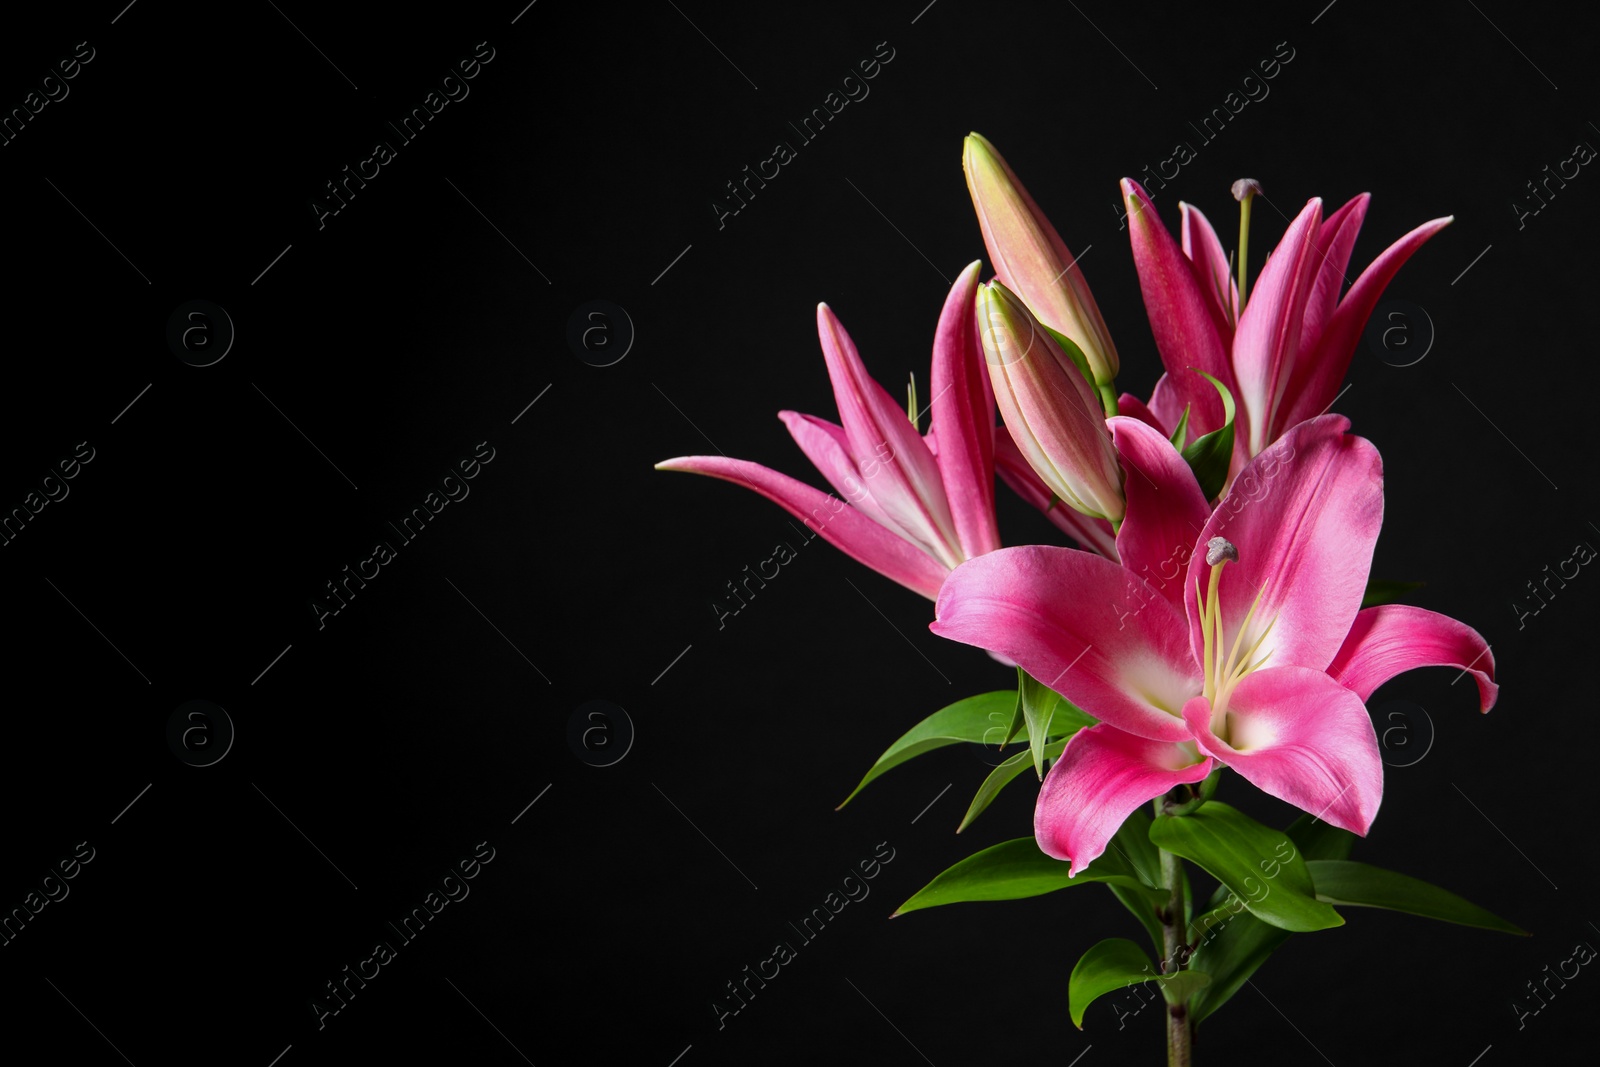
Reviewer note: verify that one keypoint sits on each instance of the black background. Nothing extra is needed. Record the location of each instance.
(425, 716)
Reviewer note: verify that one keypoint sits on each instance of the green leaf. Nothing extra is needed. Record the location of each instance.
(1113, 964)
(1016, 711)
(1359, 885)
(1132, 846)
(1141, 904)
(1318, 840)
(1262, 867)
(1230, 951)
(1038, 708)
(1182, 429)
(1013, 870)
(1074, 353)
(1000, 777)
(1210, 455)
(981, 719)
(1385, 591)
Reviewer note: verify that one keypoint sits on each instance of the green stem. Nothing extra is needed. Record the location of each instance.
(1108, 397)
(1180, 1034)
(1244, 244)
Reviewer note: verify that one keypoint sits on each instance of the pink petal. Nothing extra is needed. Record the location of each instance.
(839, 524)
(1318, 383)
(1101, 778)
(1333, 245)
(1181, 314)
(1167, 406)
(1268, 339)
(1134, 408)
(1166, 508)
(1210, 263)
(1394, 638)
(895, 464)
(1094, 535)
(1302, 737)
(963, 419)
(825, 446)
(1095, 633)
(1304, 516)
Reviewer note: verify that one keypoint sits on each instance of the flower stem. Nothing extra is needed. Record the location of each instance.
(1180, 1034)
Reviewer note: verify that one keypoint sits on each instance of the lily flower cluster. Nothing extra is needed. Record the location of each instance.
(1211, 614)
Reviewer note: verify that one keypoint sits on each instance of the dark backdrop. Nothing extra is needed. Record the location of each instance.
(376, 348)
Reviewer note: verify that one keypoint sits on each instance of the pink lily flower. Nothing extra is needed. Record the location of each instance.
(918, 506)
(1244, 646)
(1285, 354)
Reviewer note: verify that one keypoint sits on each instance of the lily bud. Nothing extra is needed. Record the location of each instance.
(1031, 259)
(1049, 407)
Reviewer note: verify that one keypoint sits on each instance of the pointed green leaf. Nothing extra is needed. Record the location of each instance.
(1230, 950)
(1210, 455)
(1038, 707)
(1386, 591)
(1132, 843)
(1113, 964)
(1016, 711)
(981, 719)
(1319, 840)
(1181, 430)
(1359, 885)
(1013, 870)
(1117, 963)
(1000, 777)
(1259, 865)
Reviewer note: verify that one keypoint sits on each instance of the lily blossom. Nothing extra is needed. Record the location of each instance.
(1284, 355)
(1032, 261)
(918, 506)
(1050, 409)
(1244, 646)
